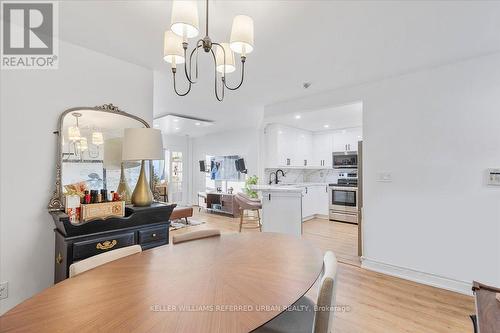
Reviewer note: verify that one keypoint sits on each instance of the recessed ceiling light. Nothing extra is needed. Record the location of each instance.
(177, 128)
(298, 116)
(176, 120)
(197, 124)
(326, 126)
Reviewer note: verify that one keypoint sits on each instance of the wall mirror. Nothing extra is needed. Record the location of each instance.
(89, 151)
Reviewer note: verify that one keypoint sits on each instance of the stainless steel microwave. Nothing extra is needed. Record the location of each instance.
(347, 160)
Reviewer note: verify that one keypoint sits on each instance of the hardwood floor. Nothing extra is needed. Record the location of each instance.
(374, 302)
(341, 238)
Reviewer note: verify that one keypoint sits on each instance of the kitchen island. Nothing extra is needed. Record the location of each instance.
(281, 209)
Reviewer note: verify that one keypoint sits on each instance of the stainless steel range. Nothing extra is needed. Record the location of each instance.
(343, 199)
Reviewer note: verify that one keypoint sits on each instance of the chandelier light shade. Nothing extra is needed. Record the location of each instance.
(224, 51)
(185, 19)
(172, 49)
(83, 144)
(97, 138)
(73, 133)
(184, 25)
(242, 34)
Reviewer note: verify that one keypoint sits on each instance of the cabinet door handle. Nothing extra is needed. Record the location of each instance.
(306, 190)
(269, 196)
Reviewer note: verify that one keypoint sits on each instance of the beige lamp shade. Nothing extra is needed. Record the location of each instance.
(142, 144)
(242, 34)
(97, 138)
(113, 155)
(185, 18)
(73, 133)
(172, 48)
(219, 59)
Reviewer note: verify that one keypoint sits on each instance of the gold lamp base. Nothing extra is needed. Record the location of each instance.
(123, 188)
(142, 195)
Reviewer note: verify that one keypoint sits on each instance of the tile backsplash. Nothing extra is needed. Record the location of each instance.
(306, 175)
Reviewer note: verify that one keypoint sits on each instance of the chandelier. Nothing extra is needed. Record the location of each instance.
(184, 25)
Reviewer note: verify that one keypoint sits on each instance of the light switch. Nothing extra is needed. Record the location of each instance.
(385, 177)
(493, 177)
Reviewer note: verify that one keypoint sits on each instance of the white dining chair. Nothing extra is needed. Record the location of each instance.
(101, 259)
(307, 319)
(193, 235)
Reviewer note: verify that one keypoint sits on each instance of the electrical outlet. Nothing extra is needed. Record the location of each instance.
(4, 290)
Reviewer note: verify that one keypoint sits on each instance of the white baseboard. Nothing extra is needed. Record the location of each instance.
(418, 276)
(314, 216)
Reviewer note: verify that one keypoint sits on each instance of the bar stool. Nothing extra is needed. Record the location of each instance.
(246, 203)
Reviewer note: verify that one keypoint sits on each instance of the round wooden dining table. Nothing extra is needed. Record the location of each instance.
(232, 283)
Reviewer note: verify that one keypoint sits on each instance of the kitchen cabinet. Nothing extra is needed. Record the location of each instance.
(322, 148)
(292, 147)
(288, 146)
(322, 200)
(347, 139)
(307, 202)
(314, 201)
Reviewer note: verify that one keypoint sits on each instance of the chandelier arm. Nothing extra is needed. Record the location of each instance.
(186, 72)
(242, 76)
(243, 59)
(175, 86)
(215, 81)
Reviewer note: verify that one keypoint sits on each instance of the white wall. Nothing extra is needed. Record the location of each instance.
(31, 102)
(244, 142)
(436, 131)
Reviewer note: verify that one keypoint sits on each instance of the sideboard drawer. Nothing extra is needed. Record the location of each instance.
(153, 235)
(85, 249)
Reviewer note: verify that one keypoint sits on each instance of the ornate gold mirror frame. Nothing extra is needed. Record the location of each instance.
(57, 200)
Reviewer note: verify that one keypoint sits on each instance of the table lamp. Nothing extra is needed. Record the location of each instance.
(142, 144)
(113, 161)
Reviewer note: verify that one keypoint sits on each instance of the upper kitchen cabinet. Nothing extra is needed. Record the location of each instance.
(347, 139)
(287, 146)
(292, 147)
(322, 148)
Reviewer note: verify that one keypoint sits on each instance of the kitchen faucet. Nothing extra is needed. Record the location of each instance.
(276, 180)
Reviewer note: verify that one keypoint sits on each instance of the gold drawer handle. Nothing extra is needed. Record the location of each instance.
(106, 245)
(59, 258)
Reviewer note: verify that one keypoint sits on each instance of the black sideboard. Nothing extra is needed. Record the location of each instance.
(146, 226)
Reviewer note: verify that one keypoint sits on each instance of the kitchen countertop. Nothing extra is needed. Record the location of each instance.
(303, 184)
(276, 188)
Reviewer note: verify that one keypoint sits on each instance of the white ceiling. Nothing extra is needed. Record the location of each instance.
(175, 125)
(339, 117)
(329, 43)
